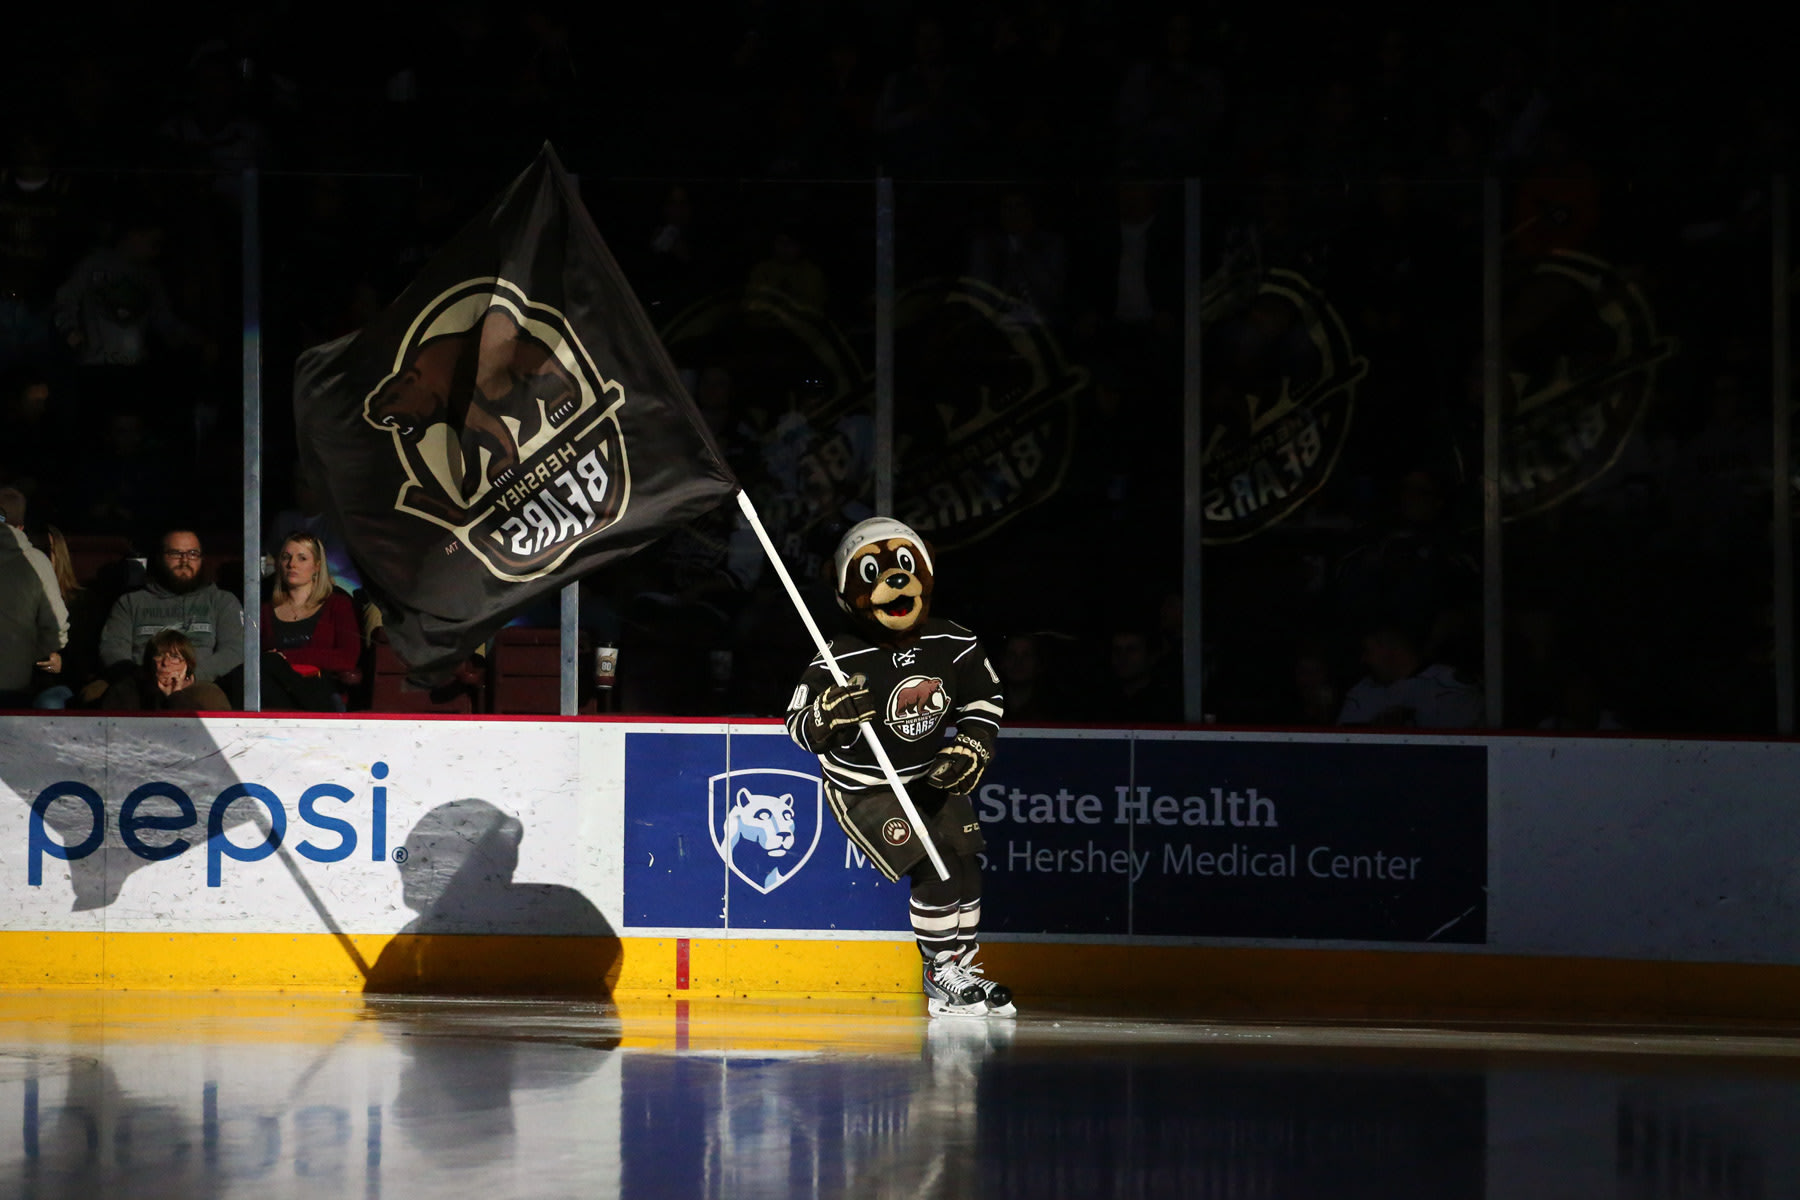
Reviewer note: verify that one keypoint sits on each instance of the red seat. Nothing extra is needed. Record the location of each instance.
(525, 671)
(92, 553)
(391, 693)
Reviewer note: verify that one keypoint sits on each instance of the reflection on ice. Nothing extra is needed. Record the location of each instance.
(146, 1096)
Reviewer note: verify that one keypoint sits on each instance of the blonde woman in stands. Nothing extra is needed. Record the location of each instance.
(309, 629)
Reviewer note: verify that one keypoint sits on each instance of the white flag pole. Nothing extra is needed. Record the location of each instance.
(837, 674)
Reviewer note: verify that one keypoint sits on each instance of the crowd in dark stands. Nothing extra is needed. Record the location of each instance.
(1037, 149)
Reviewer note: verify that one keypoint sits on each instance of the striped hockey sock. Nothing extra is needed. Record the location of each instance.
(937, 927)
(968, 925)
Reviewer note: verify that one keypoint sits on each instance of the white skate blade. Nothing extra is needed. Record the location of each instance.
(944, 1008)
(1009, 1009)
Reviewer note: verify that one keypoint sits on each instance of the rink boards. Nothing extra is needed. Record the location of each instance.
(697, 857)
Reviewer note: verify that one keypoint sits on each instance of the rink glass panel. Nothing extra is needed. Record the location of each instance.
(1038, 434)
(1341, 435)
(763, 294)
(1637, 454)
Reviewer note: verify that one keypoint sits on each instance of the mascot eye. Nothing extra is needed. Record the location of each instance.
(868, 569)
(905, 559)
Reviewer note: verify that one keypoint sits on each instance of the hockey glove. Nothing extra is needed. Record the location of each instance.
(958, 766)
(837, 712)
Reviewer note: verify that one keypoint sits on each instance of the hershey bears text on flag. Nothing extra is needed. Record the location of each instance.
(510, 423)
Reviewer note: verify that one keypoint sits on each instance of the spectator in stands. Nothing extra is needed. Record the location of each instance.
(1135, 691)
(32, 628)
(123, 481)
(113, 303)
(179, 598)
(1579, 706)
(1404, 690)
(1169, 105)
(309, 631)
(926, 115)
(166, 678)
(1517, 106)
(790, 272)
(677, 270)
(215, 127)
(1400, 103)
(1031, 692)
(841, 103)
(307, 515)
(32, 443)
(1557, 206)
(1334, 152)
(1132, 283)
(1313, 699)
(35, 211)
(12, 528)
(1026, 262)
(80, 656)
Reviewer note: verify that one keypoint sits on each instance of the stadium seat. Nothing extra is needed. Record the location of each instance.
(391, 693)
(92, 553)
(525, 671)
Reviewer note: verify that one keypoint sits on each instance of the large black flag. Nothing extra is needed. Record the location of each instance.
(509, 423)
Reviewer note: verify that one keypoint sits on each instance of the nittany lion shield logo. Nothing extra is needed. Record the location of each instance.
(765, 822)
(508, 432)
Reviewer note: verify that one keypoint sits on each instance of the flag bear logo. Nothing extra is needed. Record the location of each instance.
(482, 382)
(508, 434)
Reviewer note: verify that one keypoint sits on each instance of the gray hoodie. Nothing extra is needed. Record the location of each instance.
(40, 563)
(29, 631)
(213, 620)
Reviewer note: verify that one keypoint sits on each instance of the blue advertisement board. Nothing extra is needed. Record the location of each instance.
(1086, 835)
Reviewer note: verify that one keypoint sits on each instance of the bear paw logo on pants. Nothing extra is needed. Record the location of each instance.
(916, 705)
(896, 831)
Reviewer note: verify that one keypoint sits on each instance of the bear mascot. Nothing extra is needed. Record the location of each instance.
(927, 691)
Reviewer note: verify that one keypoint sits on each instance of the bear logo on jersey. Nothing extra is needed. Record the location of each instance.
(916, 706)
(765, 822)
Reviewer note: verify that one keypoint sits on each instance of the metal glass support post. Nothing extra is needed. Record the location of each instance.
(884, 346)
(571, 647)
(1493, 617)
(253, 465)
(1780, 252)
(569, 643)
(1192, 666)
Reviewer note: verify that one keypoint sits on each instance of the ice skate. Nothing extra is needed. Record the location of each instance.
(997, 996)
(951, 991)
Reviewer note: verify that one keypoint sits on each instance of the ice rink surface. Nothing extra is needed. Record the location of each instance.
(265, 1096)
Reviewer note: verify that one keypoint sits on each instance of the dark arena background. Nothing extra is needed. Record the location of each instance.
(1361, 436)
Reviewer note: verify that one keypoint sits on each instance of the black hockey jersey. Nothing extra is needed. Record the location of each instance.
(941, 679)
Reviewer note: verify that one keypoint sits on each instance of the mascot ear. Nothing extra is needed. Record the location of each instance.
(787, 798)
(743, 796)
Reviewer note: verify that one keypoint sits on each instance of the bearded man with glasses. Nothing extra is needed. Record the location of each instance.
(175, 598)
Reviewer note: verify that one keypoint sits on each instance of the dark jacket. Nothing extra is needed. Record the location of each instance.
(29, 629)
